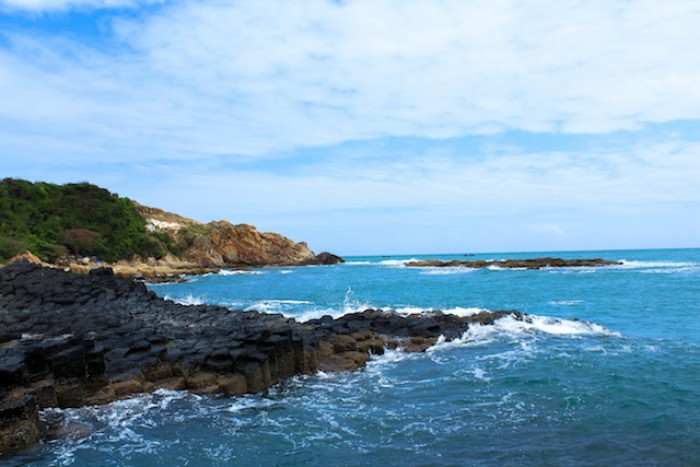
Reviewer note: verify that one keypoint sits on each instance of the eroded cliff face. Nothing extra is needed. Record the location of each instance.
(227, 244)
(223, 244)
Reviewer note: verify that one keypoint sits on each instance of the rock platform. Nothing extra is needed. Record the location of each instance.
(69, 340)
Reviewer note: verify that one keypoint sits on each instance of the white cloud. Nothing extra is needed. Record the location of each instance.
(206, 78)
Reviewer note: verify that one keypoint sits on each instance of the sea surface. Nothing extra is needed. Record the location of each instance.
(606, 372)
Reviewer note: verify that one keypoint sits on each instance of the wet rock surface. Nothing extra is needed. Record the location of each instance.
(534, 263)
(69, 340)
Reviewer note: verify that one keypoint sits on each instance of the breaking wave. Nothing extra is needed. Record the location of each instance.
(240, 272)
(531, 326)
(188, 299)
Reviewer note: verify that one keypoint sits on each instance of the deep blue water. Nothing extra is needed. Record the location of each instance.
(618, 386)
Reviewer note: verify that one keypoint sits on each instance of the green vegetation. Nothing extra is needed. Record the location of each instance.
(77, 218)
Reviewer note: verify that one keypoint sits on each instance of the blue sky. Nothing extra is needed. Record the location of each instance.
(370, 126)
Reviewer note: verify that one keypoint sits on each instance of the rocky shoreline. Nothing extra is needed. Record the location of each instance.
(534, 263)
(168, 269)
(70, 340)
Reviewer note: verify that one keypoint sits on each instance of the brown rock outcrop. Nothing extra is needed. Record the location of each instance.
(27, 256)
(227, 244)
(223, 244)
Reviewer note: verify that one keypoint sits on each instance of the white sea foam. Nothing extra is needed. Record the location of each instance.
(565, 302)
(250, 402)
(378, 363)
(240, 272)
(509, 327)
(457, 311)
(655, 264)
(276, 306)
(359, 308)
(188, 299)
(479, 373)
(386, 262)
(668, 270)
(286, 271)
(446, 271)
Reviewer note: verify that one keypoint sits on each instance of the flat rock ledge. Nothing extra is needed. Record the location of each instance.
(534, 263)
(69, 340)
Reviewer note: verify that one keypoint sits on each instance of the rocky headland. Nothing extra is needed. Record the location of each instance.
(534, 263)
(80, 227)
(69, 340)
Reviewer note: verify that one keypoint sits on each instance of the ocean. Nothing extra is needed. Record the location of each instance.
(605, 372)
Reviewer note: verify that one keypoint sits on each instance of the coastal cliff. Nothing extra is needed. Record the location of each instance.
(223, 244)
(82, 226)
(69, 340)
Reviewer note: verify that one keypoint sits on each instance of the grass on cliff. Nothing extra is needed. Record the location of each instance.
(77, 218)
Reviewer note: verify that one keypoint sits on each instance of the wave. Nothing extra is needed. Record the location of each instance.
(565, 302)
(386, 262)
(276, 306)
(457, 311)
(532, 326)
(656, 264)
(359, 308)
(240, 272)
(250, 402)
(446, 271)
(188, 299)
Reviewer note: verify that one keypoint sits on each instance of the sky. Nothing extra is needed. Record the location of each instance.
(370, 126)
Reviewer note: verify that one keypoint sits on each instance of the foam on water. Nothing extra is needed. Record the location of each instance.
(250, 402)
(277, 306)
(655, 264)
(240, 272)
(447, 271)
(316, 313)
(457, 311)
(385, 263)
(565, 302)
(188, 299)
(530, 326)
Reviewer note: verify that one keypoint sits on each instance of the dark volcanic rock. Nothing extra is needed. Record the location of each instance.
(326, 258)
(535, 263)
(67, 340)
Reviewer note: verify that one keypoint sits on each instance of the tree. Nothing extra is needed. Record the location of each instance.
(81, 241)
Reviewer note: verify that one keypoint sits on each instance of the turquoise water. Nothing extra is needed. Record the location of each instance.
(606, 373)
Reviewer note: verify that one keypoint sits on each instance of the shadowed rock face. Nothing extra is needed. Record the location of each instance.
(68, 340)
(535, 263)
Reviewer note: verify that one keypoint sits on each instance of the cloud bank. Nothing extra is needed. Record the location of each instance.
(257, 77)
